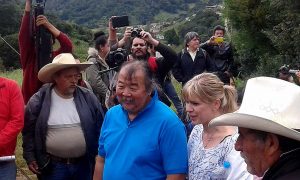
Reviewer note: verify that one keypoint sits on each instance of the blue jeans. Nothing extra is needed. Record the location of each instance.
(172, 95)
(61, 171)
(8, 170)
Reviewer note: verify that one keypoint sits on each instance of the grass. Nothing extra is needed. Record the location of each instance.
(17, 76)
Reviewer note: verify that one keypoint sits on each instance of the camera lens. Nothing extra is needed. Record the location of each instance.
(134, 33)
(119, 57)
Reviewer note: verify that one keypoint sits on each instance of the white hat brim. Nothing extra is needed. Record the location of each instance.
(45, 74)
(256, 123)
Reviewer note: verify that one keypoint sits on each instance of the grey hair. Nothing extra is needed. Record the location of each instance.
(189, 36)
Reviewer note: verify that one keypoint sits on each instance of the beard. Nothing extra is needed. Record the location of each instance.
(140, 56)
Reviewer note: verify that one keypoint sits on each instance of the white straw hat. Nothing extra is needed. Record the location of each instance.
(270, 105)
(61, 61)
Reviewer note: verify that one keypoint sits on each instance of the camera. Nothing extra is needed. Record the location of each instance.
(116, 58)
(285, 69)
(38, 10)
(136, 32)
(293, 71)
(219, 40)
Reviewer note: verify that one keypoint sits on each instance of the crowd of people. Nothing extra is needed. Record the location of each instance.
(117, 123)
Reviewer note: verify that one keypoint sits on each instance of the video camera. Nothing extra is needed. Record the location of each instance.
(43, 38)
(136, 32)
(285, 69)
(116, 58)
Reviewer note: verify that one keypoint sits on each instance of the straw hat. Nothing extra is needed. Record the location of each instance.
(270, 105)
(61, 61)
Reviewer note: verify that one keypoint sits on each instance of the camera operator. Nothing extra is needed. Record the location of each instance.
(98, 79)
(284, 74)
(221, 53)
(140, 40)
(287, 74)
(28, 57)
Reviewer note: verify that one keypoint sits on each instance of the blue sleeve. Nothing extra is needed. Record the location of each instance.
(101, 150)
(173, 145)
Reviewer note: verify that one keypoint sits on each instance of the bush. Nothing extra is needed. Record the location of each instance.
(10, 59)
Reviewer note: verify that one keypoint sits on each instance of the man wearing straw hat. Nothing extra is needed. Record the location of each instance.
(268, 121)
(62, 123)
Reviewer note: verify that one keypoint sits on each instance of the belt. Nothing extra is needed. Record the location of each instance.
(66, 160)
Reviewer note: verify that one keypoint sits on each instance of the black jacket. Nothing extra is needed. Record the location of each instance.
(185, 69)
(221, 56)
(164, 63)
(36, 123)
(286, 168)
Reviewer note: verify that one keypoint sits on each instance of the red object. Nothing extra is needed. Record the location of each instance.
(11, 115)
(152, 64)
(31, 84)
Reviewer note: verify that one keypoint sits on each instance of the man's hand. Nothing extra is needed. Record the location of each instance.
(42, 20)
(147, 37)
(34, 167)
(127, 33)
(110, 26)
(211, 41)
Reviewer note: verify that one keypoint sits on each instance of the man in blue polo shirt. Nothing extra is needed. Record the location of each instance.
(141, 138)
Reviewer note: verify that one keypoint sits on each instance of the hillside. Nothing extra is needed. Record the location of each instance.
(94, 13)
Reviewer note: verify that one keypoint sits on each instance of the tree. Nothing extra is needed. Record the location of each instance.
(264, 33)
(9, 19)
(10, 59)
(172, 37)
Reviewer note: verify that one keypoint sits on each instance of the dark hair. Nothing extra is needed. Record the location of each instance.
(133, 66)
(285, 144)
(189, 36)
(100, 39)
(219, 27)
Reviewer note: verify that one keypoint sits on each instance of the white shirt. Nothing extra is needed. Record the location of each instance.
(208, 164)
(193, 54)
(62, 111)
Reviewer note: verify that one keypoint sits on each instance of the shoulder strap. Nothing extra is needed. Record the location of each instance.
(152, 64)
(182, 52)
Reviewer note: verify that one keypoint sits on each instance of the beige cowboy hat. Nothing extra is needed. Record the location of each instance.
(270, 105)
(61, 61)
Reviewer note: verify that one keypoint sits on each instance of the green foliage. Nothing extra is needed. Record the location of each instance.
(9, 26)
(15, 75)
(265, 33)
(171, 37)
(10, 59)
(202, 23)
(10, 18)
(93, 13)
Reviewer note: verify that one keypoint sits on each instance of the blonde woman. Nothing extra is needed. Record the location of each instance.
(211, 149)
